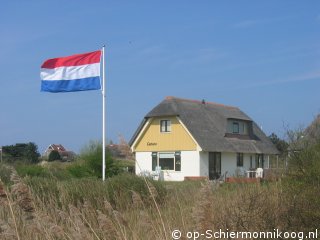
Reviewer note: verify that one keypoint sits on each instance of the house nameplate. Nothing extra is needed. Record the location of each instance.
(152, 144)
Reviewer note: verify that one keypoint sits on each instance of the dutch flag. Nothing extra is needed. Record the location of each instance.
(80, 72)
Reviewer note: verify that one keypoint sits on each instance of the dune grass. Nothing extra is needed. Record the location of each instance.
(129, 207)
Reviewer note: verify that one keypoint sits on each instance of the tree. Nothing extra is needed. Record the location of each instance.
(54, 155)
(31, 152)
(22, 152)
(280, 144)
(302, 186)
(124, 148)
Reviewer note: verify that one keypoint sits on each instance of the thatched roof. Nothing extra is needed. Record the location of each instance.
(207, 123)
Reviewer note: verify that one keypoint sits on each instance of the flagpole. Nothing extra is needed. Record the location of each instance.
(103, 117)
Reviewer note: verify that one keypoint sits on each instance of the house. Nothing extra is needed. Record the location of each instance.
(188, 138)
(120, 151)
(64, 153)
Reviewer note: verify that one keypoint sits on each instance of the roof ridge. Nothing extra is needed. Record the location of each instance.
(198, 101)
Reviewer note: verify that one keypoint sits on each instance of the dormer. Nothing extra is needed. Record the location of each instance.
(239, 128)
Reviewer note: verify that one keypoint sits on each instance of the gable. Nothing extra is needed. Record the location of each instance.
(56, 147)
(152, 139)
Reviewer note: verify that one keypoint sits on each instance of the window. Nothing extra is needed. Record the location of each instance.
(167, 161)
(259, 161)
(239, 159)
(165, 126)
(251, 162)
(177, 156)
(235, 127)
(214, 165)
(154, 160)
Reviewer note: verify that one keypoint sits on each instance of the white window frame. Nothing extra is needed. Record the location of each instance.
(174, 161)
(168, 127)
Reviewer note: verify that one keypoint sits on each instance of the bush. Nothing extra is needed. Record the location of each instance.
(54, 170)
(79, 170)
(58, 170)
(32, 170)
(27, 152)
(305, 165)
(54, 155)
(302, 187)
(92, 156)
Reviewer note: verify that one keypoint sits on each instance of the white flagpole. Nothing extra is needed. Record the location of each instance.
(103, 117)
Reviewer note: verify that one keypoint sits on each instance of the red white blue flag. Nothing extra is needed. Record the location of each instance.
(80, 72)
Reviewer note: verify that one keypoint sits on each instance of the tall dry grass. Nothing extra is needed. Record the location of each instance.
(40, 208)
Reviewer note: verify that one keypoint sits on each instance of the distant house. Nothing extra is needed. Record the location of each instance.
(120, 151)
(188, 138)
(64, 153)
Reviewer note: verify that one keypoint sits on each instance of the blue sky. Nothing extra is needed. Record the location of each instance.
(261, 56)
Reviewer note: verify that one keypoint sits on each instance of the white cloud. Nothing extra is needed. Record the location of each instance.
(247, 23)
(199, 56)
(308, 76)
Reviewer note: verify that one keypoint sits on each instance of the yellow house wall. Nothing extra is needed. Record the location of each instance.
(154, 140)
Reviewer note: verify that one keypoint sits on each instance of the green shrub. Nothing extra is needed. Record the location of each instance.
(304, 165)
(92, 156)
(32, 170)
(58, 170)
(79, 170)
(26, 152)
(54, 155)
(55, 170)
(302, 187)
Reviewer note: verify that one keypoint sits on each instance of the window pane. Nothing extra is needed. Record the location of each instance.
(239, 159)
(165, 126)
(154, 161)
(235, 127)
(241, 130)
(177, 161)
(168, 126)
(166, 155)
(259, 161)
(162, 126)
(217, 157)
(166, 163)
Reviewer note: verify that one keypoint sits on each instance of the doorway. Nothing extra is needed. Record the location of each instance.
(214, 165)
